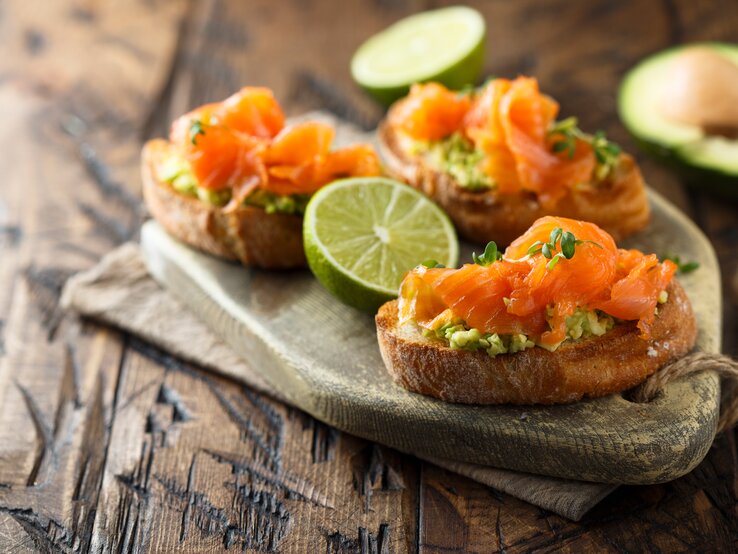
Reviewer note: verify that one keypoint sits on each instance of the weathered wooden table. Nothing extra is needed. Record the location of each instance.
(108, 445)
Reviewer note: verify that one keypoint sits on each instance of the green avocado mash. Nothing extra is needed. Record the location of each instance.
(274, 203)
(457, 335)
(176, 171)
(458, 157)
(585, 323)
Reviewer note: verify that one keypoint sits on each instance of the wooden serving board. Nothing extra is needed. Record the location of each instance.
(324, 357)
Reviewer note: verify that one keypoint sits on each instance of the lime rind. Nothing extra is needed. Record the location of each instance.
(344, 220)
(444, 45)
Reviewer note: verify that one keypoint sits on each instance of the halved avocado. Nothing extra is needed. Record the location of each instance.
(704, 161)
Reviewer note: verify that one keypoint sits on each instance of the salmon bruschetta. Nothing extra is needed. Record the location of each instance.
(233, 179)
(563, 314)
(496, 159)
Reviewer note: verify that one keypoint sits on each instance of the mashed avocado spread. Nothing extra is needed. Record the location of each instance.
(175, 171)
(457, 335)
(274, 203)
(458, 157)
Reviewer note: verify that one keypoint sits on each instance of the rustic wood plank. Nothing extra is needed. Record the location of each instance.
(61, 207)
(198, 463)
(56, 382)
(80, 84)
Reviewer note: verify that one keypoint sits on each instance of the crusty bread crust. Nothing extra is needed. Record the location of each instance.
(246, 233)
(586, 368)
(619, 206)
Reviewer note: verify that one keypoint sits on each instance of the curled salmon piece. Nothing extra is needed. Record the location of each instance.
(253, 111)
(219, 159)
(509, 161)
(418, 300)
(242, 144)
(532, 293)
(233, 180)
(632, 295)
(300, 160)
(300, 143)
(357, 160)
(432, 112)
(225, 142)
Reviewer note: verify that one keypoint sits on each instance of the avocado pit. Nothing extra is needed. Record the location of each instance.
(703, 91)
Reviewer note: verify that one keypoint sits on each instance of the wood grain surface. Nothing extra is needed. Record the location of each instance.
(107, 445)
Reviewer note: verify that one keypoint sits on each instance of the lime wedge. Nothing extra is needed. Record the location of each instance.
(445, 45)
(362, 235)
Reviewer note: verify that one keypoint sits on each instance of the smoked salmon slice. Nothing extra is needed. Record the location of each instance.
(432, 112)
(510, 122)
(242, 144)
(527, 292)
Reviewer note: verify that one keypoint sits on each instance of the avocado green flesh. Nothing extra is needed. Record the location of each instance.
(454, 332)
(175, 171)
(274, 203)
(458, 157)
(710, 161)
(444, 45)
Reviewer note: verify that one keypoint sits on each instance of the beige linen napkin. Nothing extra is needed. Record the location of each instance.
(119, 291)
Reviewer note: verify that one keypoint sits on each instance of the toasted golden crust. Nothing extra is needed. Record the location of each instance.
(247, 233)
(619, 206)
(586, 368)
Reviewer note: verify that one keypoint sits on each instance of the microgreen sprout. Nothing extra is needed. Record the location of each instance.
(565, 134)
(682, 267)
(490, 255)
(196, 128)
(561, 244)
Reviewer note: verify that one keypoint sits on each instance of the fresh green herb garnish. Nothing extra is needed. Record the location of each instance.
(490, 255)
(682, 267)
(561, 244)
(432, 264)
(605, 152)
(196, 128)
(566, 133)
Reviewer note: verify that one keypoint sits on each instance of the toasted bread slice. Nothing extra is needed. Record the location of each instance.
(246, 233)
(585, 368)
(618, 205)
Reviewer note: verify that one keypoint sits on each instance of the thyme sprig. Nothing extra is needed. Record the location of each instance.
(490, 255)
(565, 134)
(561, 244)
(197, 128)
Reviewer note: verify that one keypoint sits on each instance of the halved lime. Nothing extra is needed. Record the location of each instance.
(362, 235)
(445, 45)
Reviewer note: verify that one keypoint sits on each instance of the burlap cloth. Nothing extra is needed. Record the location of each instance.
(120, 292)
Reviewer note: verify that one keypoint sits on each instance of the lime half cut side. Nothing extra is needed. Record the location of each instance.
(445, 45)
(363, 234)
